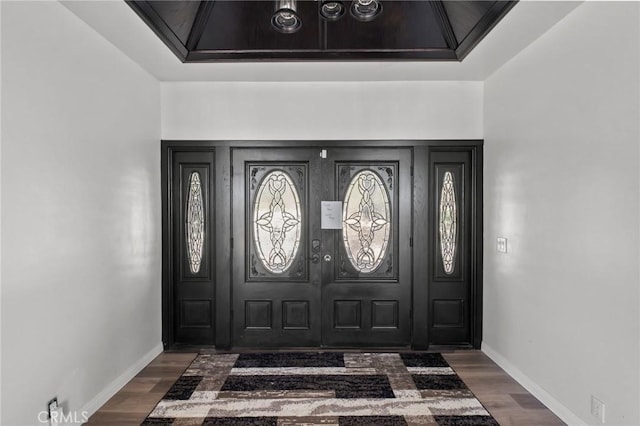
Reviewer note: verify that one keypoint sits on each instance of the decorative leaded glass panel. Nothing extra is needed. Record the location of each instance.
(195, 223)
(366, 221)
(448, 222)
(277, 221)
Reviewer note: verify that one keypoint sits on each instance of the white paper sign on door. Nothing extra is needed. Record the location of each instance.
(331, 217)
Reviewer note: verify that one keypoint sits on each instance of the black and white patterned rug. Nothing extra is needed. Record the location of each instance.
(319, 388)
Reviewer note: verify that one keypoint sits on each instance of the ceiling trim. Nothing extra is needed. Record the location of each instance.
(204, 11)
(160, 27)
(445, 24)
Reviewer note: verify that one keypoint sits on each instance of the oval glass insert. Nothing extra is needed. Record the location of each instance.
(277, 221)
(448, 222)
(366, 221)
(195, 223)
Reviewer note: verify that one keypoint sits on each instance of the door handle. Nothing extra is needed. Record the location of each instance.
(315, 258)
(327, 258)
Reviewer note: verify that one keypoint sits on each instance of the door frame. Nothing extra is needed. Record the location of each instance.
(421, 233)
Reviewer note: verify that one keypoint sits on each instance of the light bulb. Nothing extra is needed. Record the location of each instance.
(332, 10)
(285, 19)
(365, 10)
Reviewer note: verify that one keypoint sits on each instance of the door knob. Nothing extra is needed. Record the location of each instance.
(327, 258)
(315, 258)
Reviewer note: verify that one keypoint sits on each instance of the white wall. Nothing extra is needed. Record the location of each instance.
(561, 183)
(80, 213)
(340, 110)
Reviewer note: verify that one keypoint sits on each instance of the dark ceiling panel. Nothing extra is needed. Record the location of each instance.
(178, 15)
(464, 15)
(401, 25)
(246, 25)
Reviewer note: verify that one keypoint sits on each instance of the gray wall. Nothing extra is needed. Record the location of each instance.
(80, 213)
(561, 183)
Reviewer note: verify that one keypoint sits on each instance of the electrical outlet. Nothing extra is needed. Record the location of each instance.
(597, 409)
(501, 245)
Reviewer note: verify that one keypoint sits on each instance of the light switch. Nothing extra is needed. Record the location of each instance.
(501, 245)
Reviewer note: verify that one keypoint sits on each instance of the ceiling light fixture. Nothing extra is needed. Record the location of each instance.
(285, 18)
(365, 10)
(332, 10)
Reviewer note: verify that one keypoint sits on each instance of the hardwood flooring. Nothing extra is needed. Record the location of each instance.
(507, 401)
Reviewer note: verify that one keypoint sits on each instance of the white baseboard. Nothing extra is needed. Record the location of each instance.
(553, 404)
(112, 388)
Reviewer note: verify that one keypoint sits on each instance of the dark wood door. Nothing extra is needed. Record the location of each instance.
(366, 289)
(296, 284)
(276, 242)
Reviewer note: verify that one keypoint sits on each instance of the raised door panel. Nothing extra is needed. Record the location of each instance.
(295, 315)
(384, 314)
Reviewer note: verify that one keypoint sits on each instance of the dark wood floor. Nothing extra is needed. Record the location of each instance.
(505, 399)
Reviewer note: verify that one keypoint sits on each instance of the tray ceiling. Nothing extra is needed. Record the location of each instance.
(122, 27)
(236, 30)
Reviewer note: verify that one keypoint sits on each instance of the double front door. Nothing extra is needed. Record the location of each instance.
(279, 244)
(321, 252)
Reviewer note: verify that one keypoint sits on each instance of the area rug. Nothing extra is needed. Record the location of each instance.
(319, 388)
